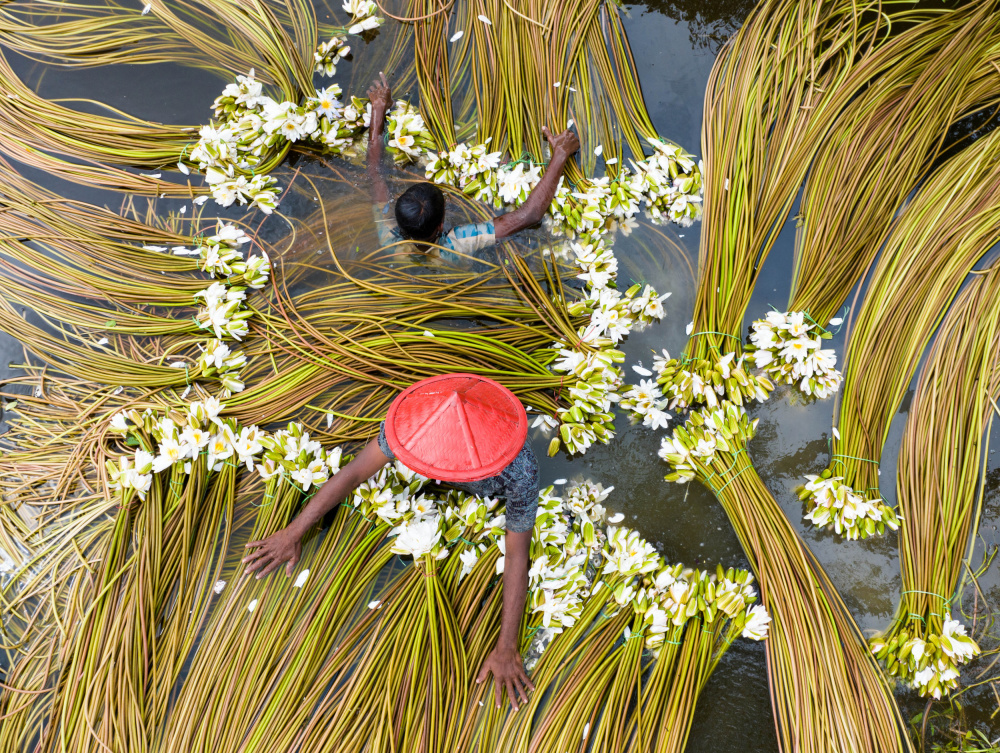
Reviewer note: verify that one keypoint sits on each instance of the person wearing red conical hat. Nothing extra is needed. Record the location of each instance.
(468, 432)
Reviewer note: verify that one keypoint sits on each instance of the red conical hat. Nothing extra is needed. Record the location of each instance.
(456, 427)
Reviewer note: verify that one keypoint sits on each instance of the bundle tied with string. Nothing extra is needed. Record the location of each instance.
(951, 222)
(939, 488)
(818, 663)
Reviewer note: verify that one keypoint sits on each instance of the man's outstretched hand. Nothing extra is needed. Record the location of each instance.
(380, 95)
(563, 144)
(272, 552)
(507, 668)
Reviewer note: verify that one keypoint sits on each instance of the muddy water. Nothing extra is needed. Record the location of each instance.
(674, 45)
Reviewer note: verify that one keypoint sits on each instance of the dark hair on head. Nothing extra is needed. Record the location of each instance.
(420, 211)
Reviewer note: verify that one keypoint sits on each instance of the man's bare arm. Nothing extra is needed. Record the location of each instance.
(540, 199)
(286, 544)
(381, 99)
(505, 662)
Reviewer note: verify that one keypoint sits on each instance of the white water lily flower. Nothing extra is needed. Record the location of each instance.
(119, 422)
(955, 643)
(418, 537)
(757, 624)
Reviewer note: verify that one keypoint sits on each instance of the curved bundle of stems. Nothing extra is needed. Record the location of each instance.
(827, 691)
(937, 483)
(539, 63)
(276, 38)
(951, 222)
(775, 91)
(890, 135)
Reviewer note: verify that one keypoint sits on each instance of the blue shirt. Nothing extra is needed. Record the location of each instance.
(460, 243)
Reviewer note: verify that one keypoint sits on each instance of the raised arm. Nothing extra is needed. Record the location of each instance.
(540, 199)
(286, 544)
(381, 99)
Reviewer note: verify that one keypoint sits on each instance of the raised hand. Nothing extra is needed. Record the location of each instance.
(380, 95)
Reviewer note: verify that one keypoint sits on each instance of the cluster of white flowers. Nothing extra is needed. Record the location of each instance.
(668, 183)
(408, 137)
(645, 402)
(293, 453)
(929, 661)
(180, 437)
(790, 351)
(250, 128)
(220, 361)
(224, 312)
(364, 15)
(831, 503)
(591, 361)
(707, 432)
(220, 255)
(684, 384)
(328, 54)
(676, 593)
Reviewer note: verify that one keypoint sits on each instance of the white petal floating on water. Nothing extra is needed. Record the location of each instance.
(183, 168)
(571, 88)
(559, 481)
(570, 123)
(252, 605)
(147, 9)
(611, 161)
(557, 84)
(374, 604)
(329, 420)
(836, 321)
(184, 209)
(456, 36)
(688, 329)
(618, 517)
(586, 729)
(150, 175)
(428, 333)
(727, 184)
(485, 20)
(118, 390)
(103, 341)
(836, 433)
(301, 580)
(200, 200)
(178, 365)
(219, 585)
(641, 371)
(154, 248)
(186, 392)
(599, 149)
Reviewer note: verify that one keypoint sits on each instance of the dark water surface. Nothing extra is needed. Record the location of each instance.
(674, 45)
